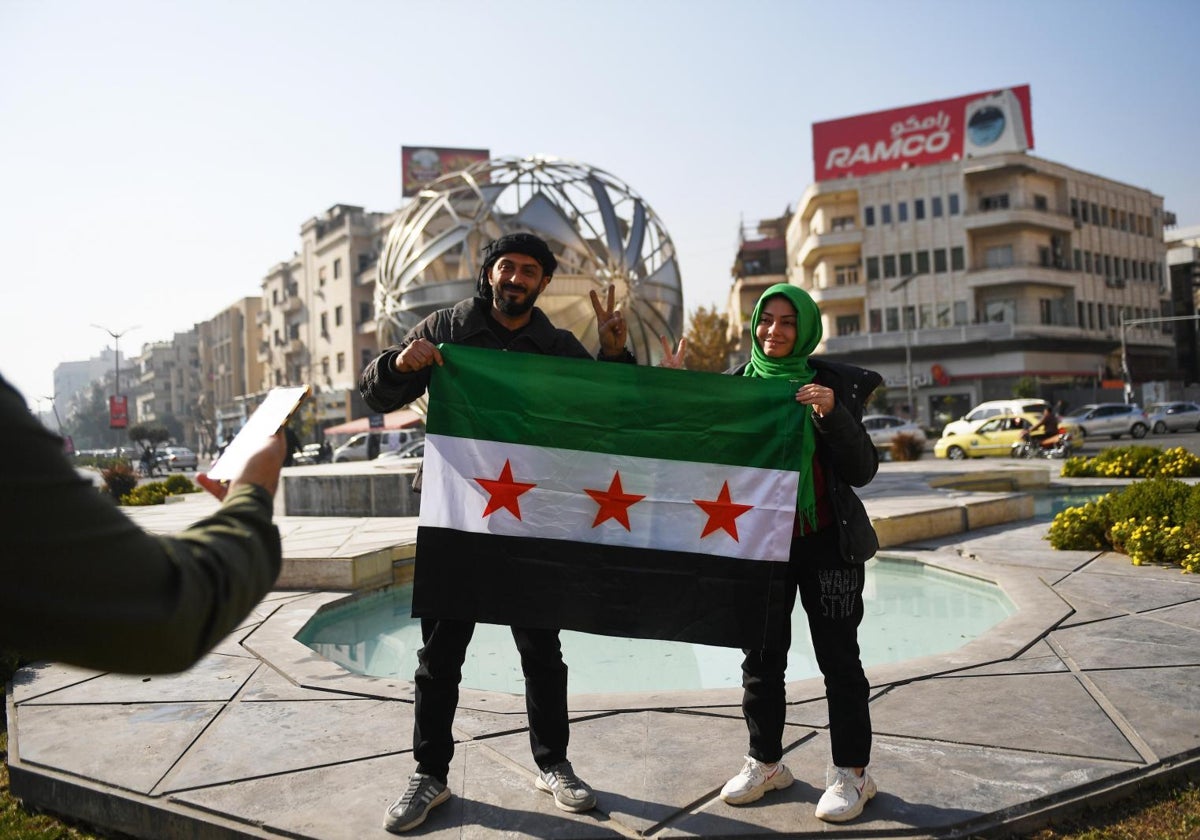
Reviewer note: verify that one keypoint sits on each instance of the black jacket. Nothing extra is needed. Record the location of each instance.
(848, 457)
(385, 389)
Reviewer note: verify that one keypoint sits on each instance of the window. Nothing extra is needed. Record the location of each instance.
(364, 260)
(275, 296)
(885, 214)
(1087, 262)
(842, 223)
(902, 211)
(910, 317)
(341, 362)
(1108, 266)
(1091, 315)
(847, 325)
(294, 332)
(364, 357)
(939, 260)
(337, 268)
(1046, 310)
(1074, 208)
(1000, 311)
(1099, 263)
(845, 275)
(906, 264)
(325, 366)
(936, 206)
(1083, 211)
(1104, 217)
(364, 312)
(943, 317)
(918, 208)
(875, 320)
(926, 319)
(889, 265)
(998, 256)
(1124, 221)
(321, 276)
(1078, 258)
(868, 216)
(337, 316)
(922, 262)
(960, 313)
(872, 268)
(1039, 202)
(325, 324)
(893, 319)
(990, 202)
(956, 258)
(954, 204)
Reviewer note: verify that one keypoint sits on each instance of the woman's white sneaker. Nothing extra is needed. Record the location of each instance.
(846, 795)
(755, 779)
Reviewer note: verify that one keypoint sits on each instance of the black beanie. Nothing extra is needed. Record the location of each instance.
(514, 243)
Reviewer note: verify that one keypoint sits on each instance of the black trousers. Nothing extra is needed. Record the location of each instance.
(439, 671)
(831, 593)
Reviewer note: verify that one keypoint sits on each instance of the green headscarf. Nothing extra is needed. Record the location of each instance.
(794, 367)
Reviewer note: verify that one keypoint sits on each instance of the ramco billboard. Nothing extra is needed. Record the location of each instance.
(421, 164)
(919, 135)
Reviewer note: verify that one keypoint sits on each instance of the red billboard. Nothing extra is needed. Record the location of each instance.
(421, 164)
(919, 135)
(118, 412)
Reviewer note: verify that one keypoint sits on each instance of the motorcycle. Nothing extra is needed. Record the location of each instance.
(1053, 446)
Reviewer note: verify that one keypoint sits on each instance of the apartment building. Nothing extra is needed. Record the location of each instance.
(229, 345)
(317, 322)
(956, 275)
(761, 262)
(168, 386)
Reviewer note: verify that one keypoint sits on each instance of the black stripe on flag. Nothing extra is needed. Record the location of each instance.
(603, 589)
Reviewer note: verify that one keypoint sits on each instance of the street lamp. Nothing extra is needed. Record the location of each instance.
(908, 376)
(54, 406)
(116, 337)
(1126, 378)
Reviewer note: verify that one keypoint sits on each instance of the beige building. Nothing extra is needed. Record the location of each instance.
(318, 316)
(228, 349)
(168, 388)
(983, 271)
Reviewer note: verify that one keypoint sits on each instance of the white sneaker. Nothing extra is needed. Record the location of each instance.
(845, 797)
(755, 779)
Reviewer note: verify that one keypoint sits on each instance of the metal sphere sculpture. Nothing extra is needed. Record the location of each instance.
(600, 230)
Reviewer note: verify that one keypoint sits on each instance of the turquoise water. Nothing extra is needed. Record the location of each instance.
(911, 610)
(1047, 503)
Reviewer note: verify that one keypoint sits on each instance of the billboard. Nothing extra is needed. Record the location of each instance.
(920, 135)
(421, 164)
(118, 412)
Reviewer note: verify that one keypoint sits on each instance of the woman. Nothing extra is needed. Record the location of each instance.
(831, 540)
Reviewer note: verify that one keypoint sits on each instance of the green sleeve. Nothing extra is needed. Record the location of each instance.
(81, 583)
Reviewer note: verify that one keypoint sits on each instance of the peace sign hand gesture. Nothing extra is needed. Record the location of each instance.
(672, 358)
(610, 324)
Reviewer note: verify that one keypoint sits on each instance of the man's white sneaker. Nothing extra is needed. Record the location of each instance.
(755, 779)
(846, 795)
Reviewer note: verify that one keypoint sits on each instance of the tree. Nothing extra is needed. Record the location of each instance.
(708, 342)
(88, 423)
(149, 435)
(1026, 386)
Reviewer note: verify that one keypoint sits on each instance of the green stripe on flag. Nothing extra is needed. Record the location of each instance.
(615, 408)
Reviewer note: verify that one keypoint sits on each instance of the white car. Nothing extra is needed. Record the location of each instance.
(883, 428)
(1030, 409)
(1173, 417)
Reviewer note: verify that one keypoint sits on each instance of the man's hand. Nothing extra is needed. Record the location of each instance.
(610, 324)
(420, 354)
(262, 468)
(672, 358)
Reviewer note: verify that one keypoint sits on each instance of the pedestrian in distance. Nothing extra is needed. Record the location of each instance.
(81, 583)
(831, 540)
(502, 316)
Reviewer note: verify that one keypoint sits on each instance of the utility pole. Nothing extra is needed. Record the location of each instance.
(1126, 376)
(116, 337)
(908, 375)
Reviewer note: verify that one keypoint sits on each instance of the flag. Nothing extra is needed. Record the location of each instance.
(607, 498)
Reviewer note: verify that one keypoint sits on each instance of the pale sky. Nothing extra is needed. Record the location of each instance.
(157, 158)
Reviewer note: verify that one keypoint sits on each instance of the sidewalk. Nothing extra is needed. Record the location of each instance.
(1094, 685)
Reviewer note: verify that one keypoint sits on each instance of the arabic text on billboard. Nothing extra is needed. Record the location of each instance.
(920, 135)
(421, 164)
(118, 412)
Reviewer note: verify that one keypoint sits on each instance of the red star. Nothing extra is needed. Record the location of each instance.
(504, 492)
(722, 513)
(614, 502)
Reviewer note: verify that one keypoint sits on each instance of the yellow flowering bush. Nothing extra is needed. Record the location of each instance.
(1153, 521)
(1134, 462)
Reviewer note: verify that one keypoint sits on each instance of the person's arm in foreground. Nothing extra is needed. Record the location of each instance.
(81, 583)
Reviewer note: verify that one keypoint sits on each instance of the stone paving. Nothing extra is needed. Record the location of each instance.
(1091, 687)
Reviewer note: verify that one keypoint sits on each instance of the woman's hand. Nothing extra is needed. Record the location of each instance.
(818, 396)
(261, 468)
(610, 324)
(672, 358)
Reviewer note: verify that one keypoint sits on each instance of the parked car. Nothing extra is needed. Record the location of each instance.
(410, 452)
(1113, 419)
(356, 448)
(1030, 409)
(1173, 417)
(177, 458)
(994, 436)
(883, 428)
(310, 453)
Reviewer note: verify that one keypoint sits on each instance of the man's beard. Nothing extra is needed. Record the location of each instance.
(514, 308)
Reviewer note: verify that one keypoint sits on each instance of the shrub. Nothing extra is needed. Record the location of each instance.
(153, 493)
(119, 479)
(179, 484)
(1134, 462)
(1153, 521)
(906, 447)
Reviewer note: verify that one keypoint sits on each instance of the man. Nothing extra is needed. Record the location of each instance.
(1046, 427)
(516, 269)
(81, 583)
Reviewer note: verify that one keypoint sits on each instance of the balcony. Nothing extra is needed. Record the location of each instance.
(293, 346)
(817, 246)
(967, 334)
(292, 304)
(1020, 216)
(830, 294)
(1021, 274)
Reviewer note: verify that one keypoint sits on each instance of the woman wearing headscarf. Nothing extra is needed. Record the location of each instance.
(831, 539)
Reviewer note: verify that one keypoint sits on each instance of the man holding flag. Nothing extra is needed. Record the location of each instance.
(502, 316)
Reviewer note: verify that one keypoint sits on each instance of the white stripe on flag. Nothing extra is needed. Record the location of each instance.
(559, 507)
